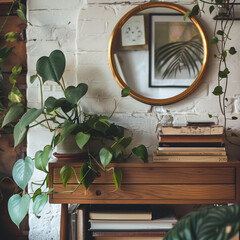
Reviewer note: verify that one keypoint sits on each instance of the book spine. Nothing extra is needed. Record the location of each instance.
(190, 138)
(185, 153)
(189, 158)
(193, 130)
(192, 144)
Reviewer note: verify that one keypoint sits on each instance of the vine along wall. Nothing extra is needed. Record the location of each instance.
(81, 29)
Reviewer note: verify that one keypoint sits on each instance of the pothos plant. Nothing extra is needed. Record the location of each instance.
(220, 39)
(64, 113)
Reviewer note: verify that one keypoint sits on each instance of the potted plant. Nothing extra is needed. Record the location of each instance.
(64, 113)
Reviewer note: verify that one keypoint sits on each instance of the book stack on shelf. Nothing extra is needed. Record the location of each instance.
(119, 225)
(196, 142)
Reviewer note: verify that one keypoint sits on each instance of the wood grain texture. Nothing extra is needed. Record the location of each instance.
(147, 192)
(162, 175)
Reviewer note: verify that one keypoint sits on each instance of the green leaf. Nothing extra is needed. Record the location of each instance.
(224, 73)
(42, 158)
(39, 203)
(210, 115)
(66, 173)
(234, 118)
(125, 92)
(16, 70)
(234, 135)
(23, 171)
(186, 16)
(18, 207)
(67, 128)
(220, 32)
(214, 40)
(52, 67)
(87, 175)
(211, 8)
(36, 193)
(81, 139)
(224, 54)
(21, 15)
(13, 113)
(20, 128)
(232, 50)
(105, 156)
(117, 177)
(141, 151)
(217, 91)
(22, 7)
(1, 78)
(74, 94)
(10, 37)
(33, 78)
(15, 96)
(195, 10)
(125, 141)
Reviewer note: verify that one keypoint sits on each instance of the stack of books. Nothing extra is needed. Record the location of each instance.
(196, 142)
(106, 225)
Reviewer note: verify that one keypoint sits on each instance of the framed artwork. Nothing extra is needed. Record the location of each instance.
(133, 32)
(175, 51)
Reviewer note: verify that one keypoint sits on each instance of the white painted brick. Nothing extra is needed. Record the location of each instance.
(53, 4)
(95, 73)
(92, 58)
(53, 18)
(93, 43)
(90, 27)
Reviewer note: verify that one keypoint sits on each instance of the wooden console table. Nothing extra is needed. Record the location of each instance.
(151, 183)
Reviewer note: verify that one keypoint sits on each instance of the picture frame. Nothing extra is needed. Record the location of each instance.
(175, 51)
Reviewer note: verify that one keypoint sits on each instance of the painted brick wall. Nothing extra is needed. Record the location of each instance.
(81, 29)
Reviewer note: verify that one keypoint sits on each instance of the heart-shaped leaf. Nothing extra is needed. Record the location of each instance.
(15, 110)
(42, 158)
(66, 173)
(15, 96)
(218, 90)
(81, 139)
(36, 193)
(125, 92)
(74, 94)
(87, 175)
(117, 177)
(39, 203)
(67, 129)
(141, 151)
(52, 67)
(20, 128)
(18, 207)
(23, 171)
(105, 156)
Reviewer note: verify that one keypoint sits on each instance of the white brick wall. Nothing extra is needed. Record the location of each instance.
(81, 29)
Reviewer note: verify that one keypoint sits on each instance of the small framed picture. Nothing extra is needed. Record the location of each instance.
(175, 51)
(133, 32)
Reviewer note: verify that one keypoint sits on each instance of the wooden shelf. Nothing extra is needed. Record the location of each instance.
(150, 183)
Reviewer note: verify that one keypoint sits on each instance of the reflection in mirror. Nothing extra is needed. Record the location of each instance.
(157, 54)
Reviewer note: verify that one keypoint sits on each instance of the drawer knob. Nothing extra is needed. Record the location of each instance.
(98, 193)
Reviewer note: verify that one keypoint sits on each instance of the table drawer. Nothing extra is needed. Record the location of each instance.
(98, 193)
(162, 175)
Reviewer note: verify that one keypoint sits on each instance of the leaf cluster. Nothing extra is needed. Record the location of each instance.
(64, 117)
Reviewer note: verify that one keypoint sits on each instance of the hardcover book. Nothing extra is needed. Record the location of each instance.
(191, 139)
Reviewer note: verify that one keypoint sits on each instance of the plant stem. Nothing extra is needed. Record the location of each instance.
(115, 106)
(8, 14)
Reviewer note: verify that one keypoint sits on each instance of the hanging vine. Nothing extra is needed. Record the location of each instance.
(220, 39)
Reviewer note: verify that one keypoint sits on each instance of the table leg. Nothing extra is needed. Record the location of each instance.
(64, 222)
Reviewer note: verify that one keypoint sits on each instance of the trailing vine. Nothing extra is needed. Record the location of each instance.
(220, 39)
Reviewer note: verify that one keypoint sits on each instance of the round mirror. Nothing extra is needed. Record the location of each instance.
(157, 53)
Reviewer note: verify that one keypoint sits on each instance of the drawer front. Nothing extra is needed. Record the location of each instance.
(144, 193)
(164, 175)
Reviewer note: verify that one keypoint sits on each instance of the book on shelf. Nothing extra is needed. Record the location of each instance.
(72, 221)
(192, 130)
(190, 153)
(158, 224)
(120, 215)
(127, 238)
(130, 234)
(191, 149)
(189, 158)
(191, 139)
(197, 123)
(191, 144)
(81, 228)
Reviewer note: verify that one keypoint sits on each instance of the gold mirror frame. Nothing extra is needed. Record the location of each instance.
(112, 44)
